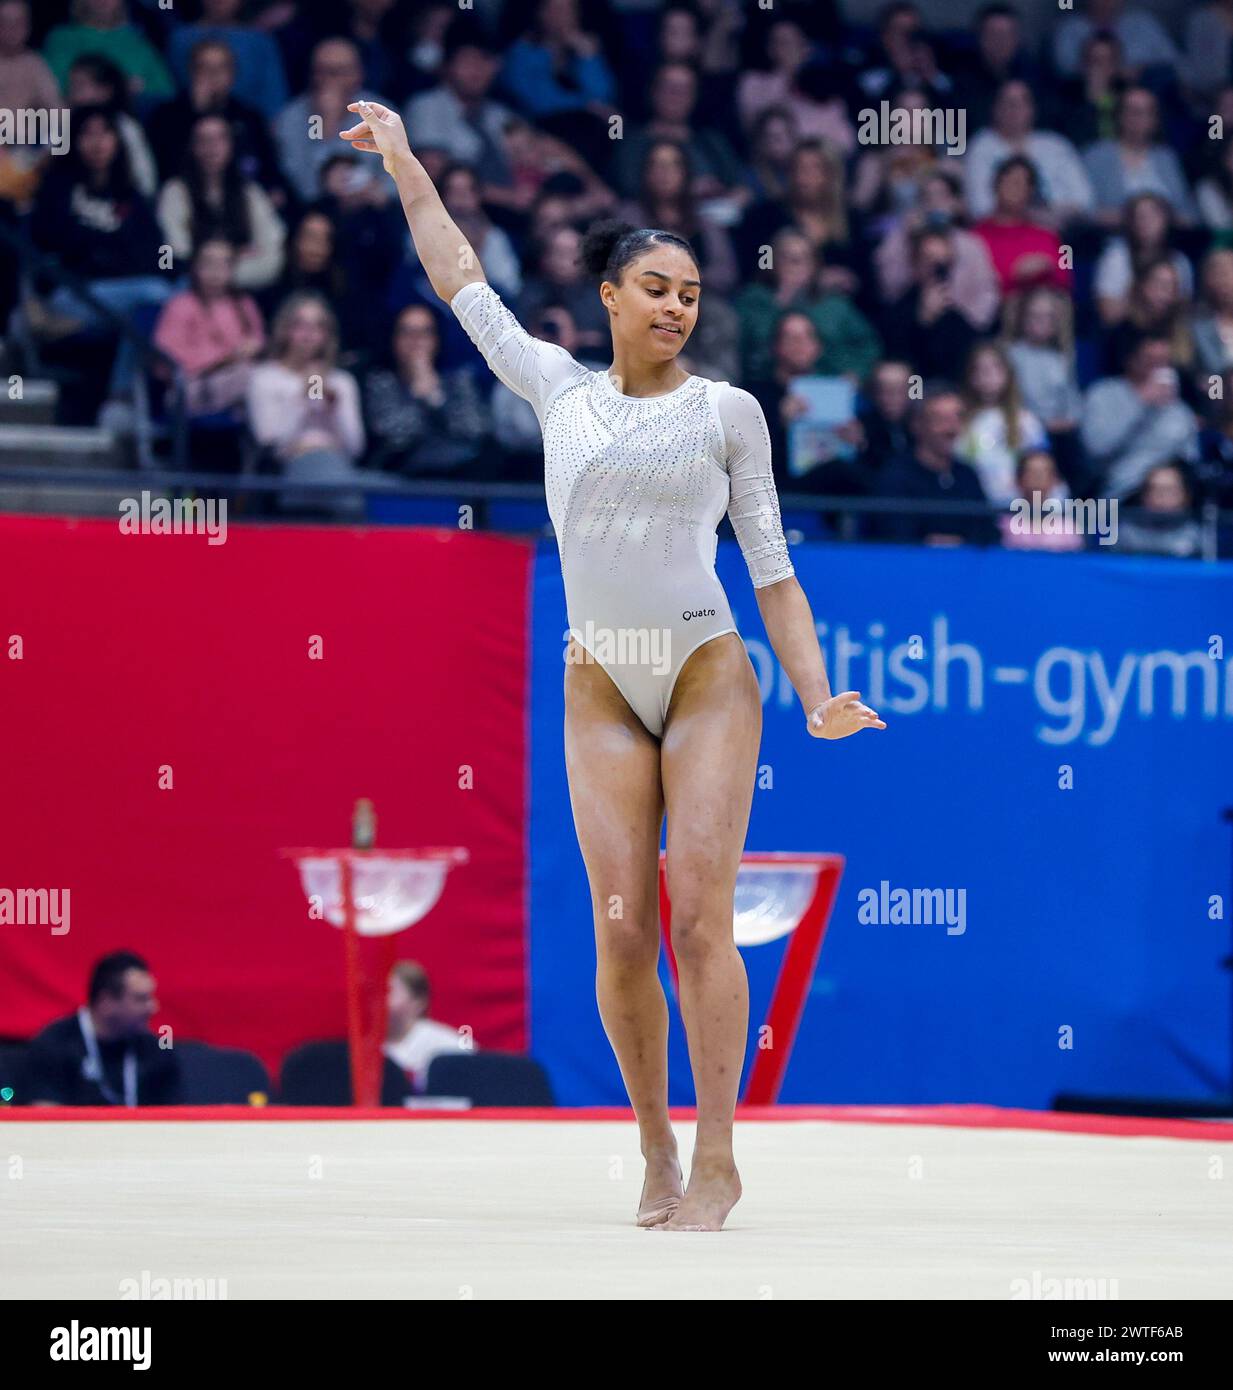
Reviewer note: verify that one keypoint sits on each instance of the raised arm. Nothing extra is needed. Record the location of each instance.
(448, 258)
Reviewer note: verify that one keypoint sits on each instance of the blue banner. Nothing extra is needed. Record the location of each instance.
(1037, 889)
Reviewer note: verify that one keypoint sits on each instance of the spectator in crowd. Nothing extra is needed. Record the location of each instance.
(105, 1054)
(1214, 191)
(213, 332)
(428, 33)
(412, 1038)
(1166, 524)
(1041, 352)
(1213, 321)
(1143, 39)
(796, 351)
(90, 214)
(1000, 57)
(666, 199)
(715, 168)
(1146, 237)
(459, 187)
(557, 75)
(1023, 251)
(932, 471)
(702, 39)
(790, 64)
(973, 285)
(557, 277)
(25, 79)
(549, 212)
(883, 414)
(312, 263)
(212, 198)
(1087, 104)
(260, 81)
(771, 144)
(303, 408)
(1209, 48)
(799, 352)
(1064, 192)
(378, 29)
(905, 57)
(97, 82)
(26, 83)
(821, 20)
(1160, 309)
(889, 178)
(543, 164)
(210, 91)
(816, 203)
(368, 231)
(1037, 480)
(102, 27)
(925, 326)
(1136, 420)
(459, 115)
(1134, 161)
(1214, 469)
(305, 129)
(999, 427)
(422, 421)
(851, 343)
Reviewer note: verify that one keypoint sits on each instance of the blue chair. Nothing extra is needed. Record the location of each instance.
(219, 1075)
(490, 1078)
(319, 1073)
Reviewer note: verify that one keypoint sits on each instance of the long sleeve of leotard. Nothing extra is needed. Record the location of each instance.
(527, 365)
(754, 505)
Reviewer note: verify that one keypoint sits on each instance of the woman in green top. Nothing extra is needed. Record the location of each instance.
(101, 26)
(851, 346)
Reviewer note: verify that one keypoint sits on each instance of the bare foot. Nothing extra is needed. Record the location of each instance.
(714, 1189)
(661, 1189)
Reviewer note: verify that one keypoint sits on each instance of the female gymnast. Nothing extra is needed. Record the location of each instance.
(662, 708)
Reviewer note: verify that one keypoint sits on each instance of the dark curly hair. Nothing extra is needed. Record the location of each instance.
(609, 246)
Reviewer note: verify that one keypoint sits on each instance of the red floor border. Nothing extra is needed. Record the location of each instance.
(953, 1116)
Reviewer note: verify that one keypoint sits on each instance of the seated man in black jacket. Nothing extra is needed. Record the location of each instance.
(932, 472)
(104, 1054)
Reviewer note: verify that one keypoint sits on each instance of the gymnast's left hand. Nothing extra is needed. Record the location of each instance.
(842, 715)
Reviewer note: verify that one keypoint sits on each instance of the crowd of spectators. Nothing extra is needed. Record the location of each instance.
(1050, 309)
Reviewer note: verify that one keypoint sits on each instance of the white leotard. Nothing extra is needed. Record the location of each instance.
(636, 488)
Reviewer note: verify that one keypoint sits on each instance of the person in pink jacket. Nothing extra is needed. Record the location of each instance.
(212, 332)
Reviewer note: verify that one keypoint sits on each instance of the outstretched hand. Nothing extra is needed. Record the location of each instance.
(842, 715)
(380, 131)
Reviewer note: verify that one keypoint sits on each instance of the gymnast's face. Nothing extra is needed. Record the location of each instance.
(655, 307)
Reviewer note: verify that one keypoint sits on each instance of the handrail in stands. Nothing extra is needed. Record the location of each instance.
(35, 262)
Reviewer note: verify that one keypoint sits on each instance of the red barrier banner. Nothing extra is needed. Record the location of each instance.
(177, 711)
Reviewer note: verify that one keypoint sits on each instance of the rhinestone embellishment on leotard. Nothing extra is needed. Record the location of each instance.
(637, 482)
(645, 472)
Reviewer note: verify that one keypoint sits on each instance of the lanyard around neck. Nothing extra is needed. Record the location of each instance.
(93, 1066)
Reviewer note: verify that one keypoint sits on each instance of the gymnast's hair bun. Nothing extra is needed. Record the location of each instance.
(599, 243)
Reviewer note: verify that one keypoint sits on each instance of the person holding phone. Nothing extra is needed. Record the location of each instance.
(1137, 420)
